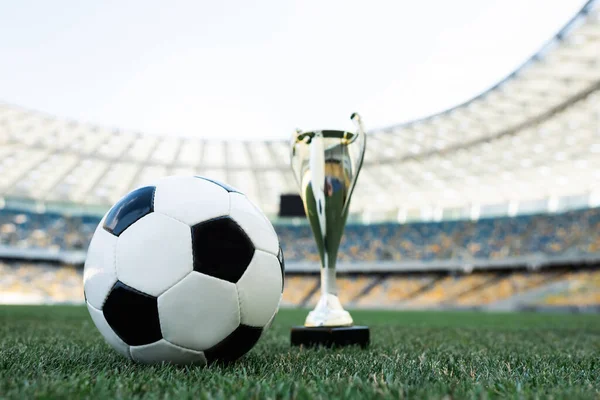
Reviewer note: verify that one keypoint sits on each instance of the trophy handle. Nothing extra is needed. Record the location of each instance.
(360, 135)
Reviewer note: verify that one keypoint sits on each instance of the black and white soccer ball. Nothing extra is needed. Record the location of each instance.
(186, 271)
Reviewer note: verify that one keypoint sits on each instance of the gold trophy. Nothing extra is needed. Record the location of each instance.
(326, 165)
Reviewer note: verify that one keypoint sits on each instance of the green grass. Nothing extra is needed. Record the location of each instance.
(56, 352)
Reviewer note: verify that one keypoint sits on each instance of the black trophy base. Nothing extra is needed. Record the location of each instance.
(330, 336)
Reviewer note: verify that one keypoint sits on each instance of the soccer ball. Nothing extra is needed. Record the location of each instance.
(188, 271)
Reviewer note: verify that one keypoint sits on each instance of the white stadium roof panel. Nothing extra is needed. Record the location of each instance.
(148, 174)
(165, 151)
(80, 181)
(111, 186)
(17, 164)
(142, 147)
(238, 155)
(261, 157)
(280, 152)
(114, 146)
(533, 136)
(190, 154)
(214, 155)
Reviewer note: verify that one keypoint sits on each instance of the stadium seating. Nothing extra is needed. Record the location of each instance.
(583, 289)
(47, 230)
(570, 233)
(298, 288)
(23, 283)
(504, 286)
(427, 290)
(577, 232)
(349, 289)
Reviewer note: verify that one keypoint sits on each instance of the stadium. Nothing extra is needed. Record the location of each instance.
(472, 248)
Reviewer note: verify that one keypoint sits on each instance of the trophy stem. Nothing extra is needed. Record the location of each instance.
(328, 281)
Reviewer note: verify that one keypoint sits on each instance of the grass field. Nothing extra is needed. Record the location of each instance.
(50, 352)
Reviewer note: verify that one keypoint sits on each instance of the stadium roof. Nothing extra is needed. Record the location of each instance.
(535, 135)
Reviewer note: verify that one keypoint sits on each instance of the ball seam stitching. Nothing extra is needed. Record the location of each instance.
(153, 196)
(237, 293)
(114, 266)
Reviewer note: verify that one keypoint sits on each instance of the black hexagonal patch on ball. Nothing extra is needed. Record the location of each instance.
(221, 249)
(133, 315)
(223, 185)
(238, 343)
(129, 209)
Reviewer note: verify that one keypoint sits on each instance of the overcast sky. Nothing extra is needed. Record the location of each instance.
(259, 69)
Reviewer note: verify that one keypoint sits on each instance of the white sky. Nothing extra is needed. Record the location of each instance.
(260, 69)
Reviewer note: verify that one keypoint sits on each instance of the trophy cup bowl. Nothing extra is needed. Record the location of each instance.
(326, 164)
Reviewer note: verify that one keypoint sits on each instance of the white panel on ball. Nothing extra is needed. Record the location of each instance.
(109, 335)
(190, 200)
(154, 253)
(99, 272)
(259, 289)
(199, 312)
(254, 223)
(163, 351)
